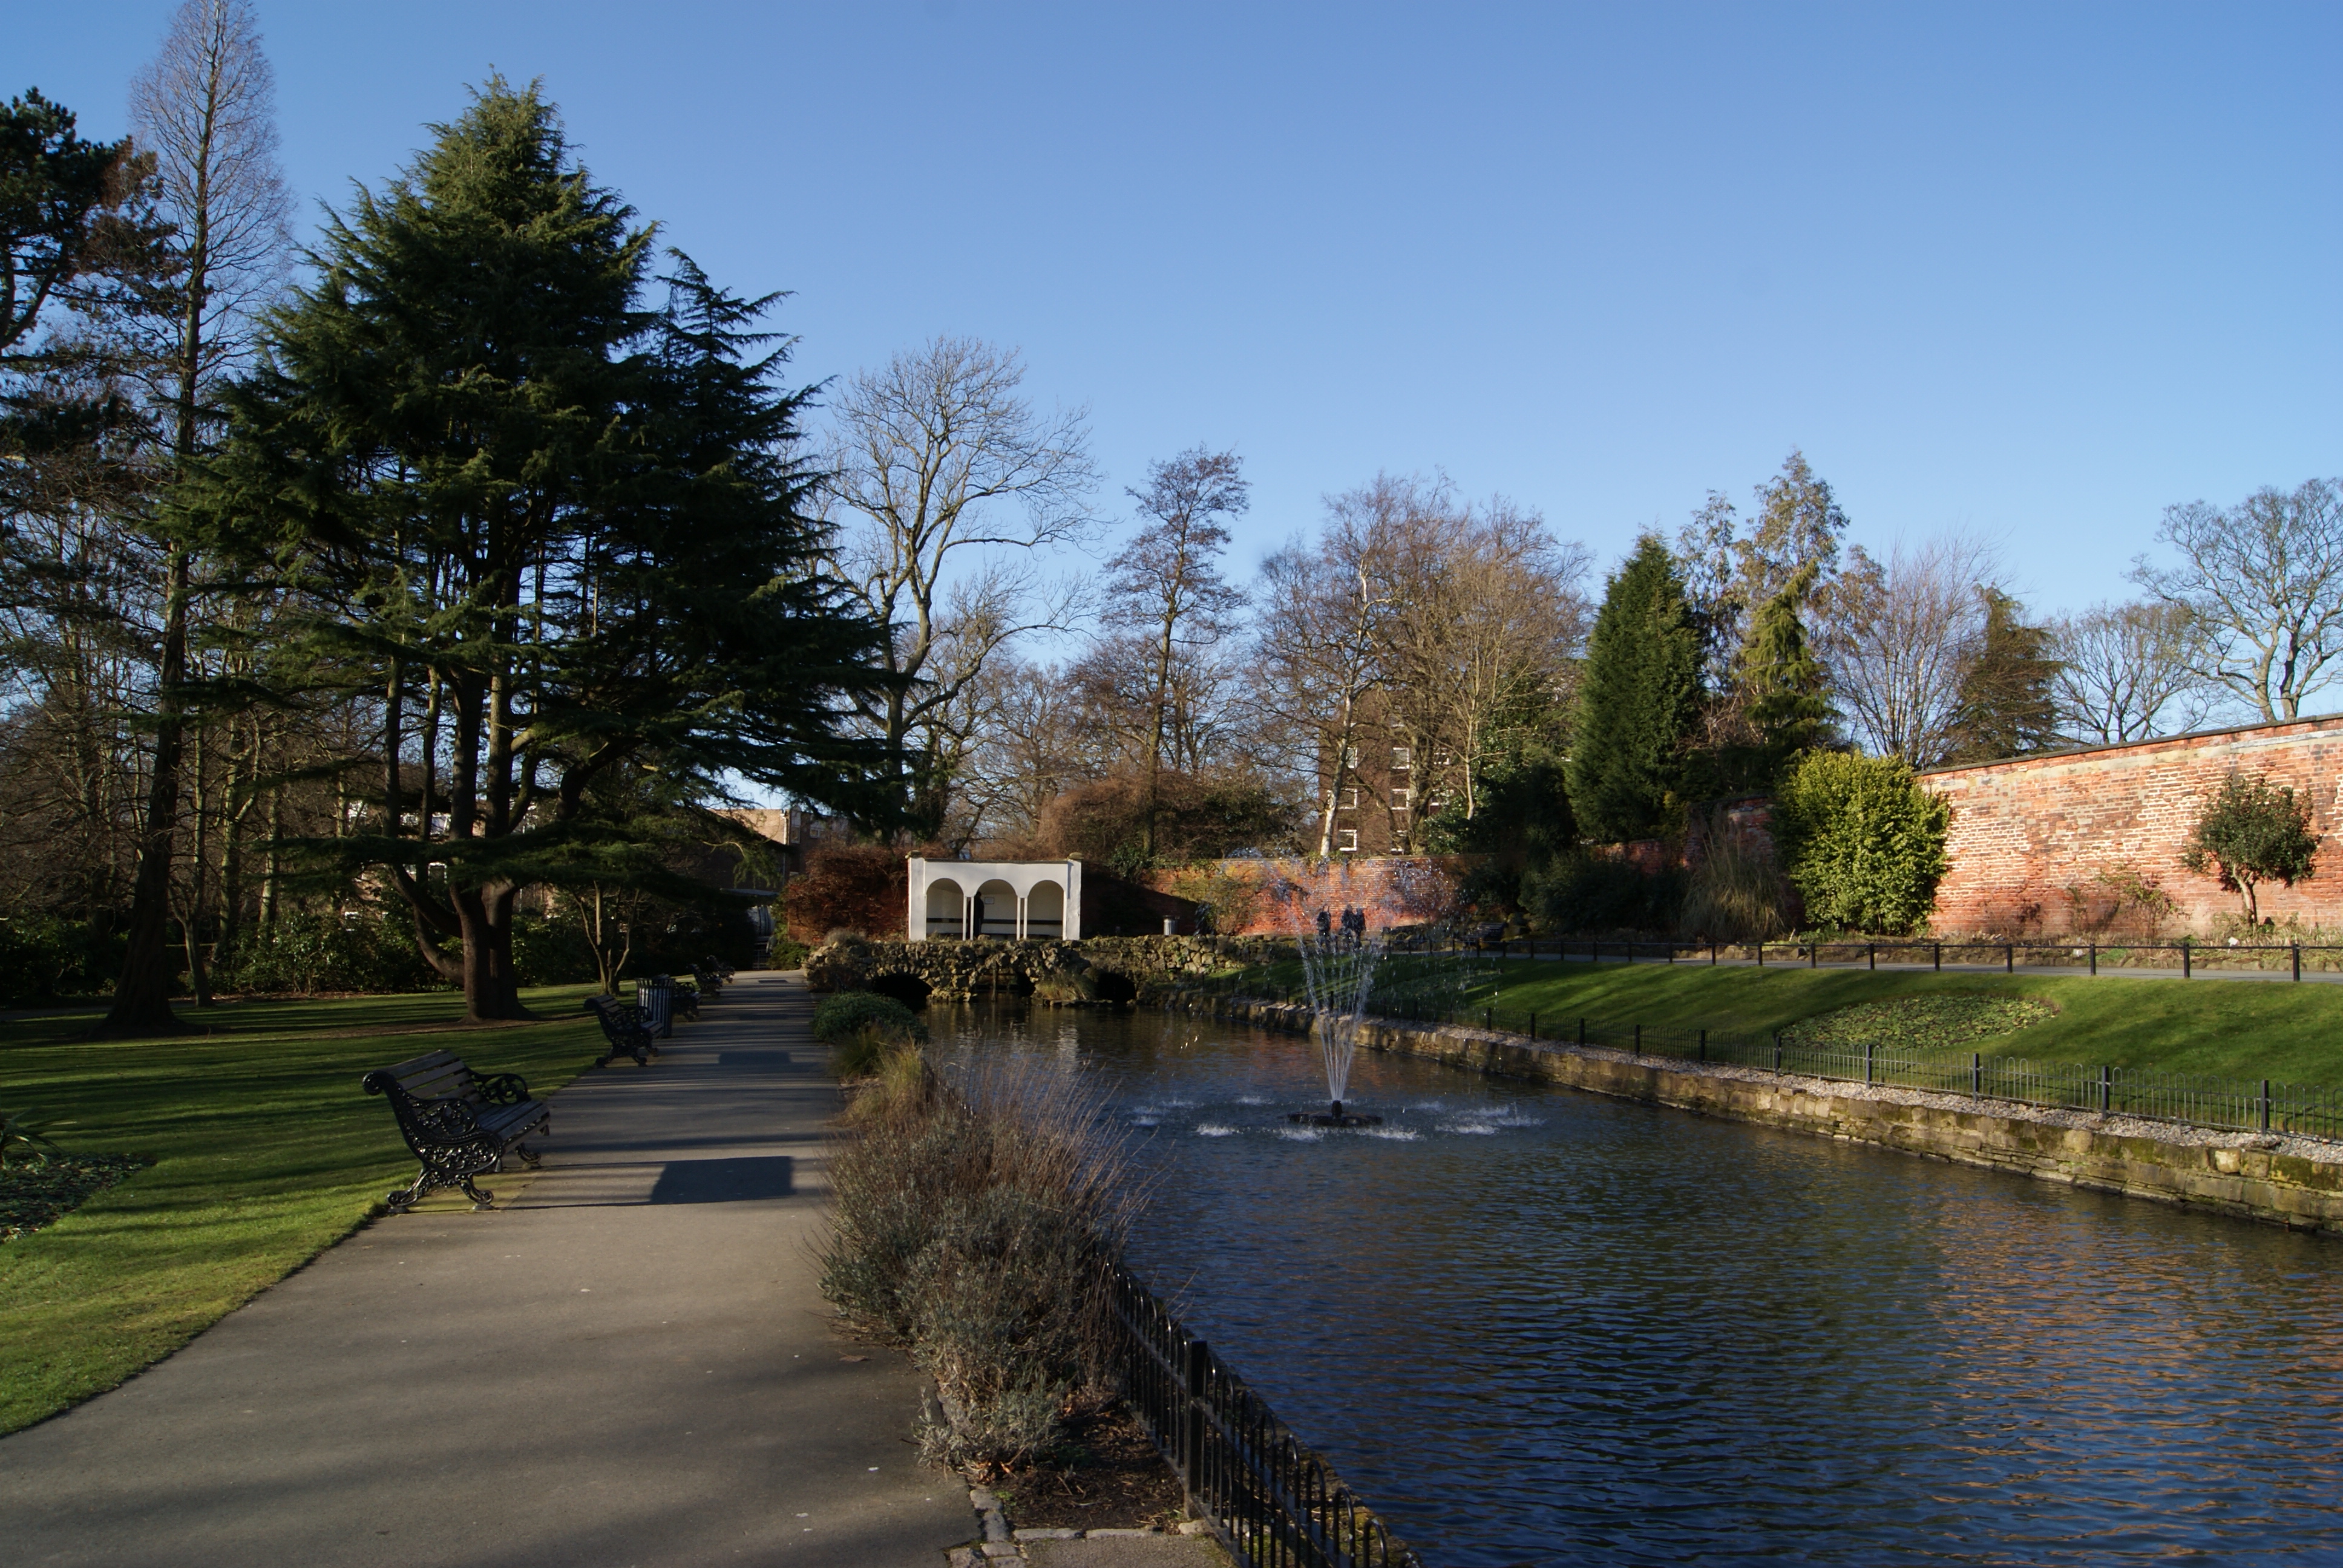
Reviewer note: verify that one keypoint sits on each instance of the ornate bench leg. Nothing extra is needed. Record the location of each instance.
(529, 1157)
(480, 1196)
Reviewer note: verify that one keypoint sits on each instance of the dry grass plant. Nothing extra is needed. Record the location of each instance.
(1737, 893)
(971, 1218)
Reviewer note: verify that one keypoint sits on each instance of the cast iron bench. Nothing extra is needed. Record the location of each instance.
(459, 1125)
(624, 1030)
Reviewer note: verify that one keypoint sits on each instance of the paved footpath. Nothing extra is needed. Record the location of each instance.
(628, 1367)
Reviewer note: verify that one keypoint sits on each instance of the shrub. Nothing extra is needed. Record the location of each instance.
(311, 954)
(2253, 831)
(1861, 841)
(861, 1026)
(860, 887)
(1583, 892)
(46, 956)
(785, 953)
(968, 1224)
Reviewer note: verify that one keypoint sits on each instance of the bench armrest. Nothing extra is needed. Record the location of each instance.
(502, 1088)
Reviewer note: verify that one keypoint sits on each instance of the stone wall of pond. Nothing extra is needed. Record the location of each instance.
(2294, 1183)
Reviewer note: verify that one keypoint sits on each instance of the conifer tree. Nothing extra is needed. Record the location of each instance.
(552, 532)
(1784, 683)
(2008, 697)
(1639, 702)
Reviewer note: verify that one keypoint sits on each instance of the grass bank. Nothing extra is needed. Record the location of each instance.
(264, 1154)
(2229, 1028)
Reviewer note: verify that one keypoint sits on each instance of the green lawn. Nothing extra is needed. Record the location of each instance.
(2230, 1029)
(2277, 1029)
(265, 1152)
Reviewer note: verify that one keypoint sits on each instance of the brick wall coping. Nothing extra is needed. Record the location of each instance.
(2309, 724)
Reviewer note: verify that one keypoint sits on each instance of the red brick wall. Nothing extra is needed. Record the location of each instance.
(2024, 831)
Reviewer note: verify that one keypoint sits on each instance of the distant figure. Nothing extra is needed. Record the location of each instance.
(1325, 923)
(1355, 923)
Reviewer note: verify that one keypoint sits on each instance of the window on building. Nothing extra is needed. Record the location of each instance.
(1399, 759)
(1349, 801)
(1444, 758)
(1347, 841)
(1350, 756)
(1402, 798)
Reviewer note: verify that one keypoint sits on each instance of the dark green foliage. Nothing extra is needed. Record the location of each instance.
(1638, 704)
(46, 958)
(53, 186)
(498, 484)
(2253, 831)
(1786, 688)
(1862, 842)
(2010, 703)
(839, 1017)
(310, 954)
(1595, 893)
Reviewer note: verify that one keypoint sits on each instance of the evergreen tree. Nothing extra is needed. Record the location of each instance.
(555, 533)
(1638, 704)
(1782, 679)
(2008, 702)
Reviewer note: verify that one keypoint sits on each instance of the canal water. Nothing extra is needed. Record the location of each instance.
(1538, 1327)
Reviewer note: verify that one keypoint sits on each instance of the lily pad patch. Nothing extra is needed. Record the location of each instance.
(33, 1194)
(1921, 1022)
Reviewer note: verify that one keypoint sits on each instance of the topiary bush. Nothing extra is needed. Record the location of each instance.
(2250, 832)
(1861, 841)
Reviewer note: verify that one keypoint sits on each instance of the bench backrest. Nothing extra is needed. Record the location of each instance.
(432, 1096)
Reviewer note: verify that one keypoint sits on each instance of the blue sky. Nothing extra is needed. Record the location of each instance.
(2035, 271)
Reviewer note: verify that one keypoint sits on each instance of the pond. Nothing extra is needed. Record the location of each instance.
(1532, 1326)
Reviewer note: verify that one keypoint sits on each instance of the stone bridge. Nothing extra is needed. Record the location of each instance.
(1096, 971)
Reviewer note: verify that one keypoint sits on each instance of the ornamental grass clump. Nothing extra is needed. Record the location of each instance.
(1737, 893)
(970, 1221)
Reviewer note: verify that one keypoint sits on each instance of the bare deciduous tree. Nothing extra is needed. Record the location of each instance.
(2265, 579)
(1316, 664)
(204, 108)
(1900, 639)
(2129, 672)
(952, 484)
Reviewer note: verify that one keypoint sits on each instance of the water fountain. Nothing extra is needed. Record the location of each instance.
(1338, 971)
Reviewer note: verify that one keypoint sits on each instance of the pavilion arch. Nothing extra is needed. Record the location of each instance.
(947, 911)
(1004, 899)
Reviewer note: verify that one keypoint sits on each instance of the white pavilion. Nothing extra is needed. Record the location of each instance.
(1014, 900)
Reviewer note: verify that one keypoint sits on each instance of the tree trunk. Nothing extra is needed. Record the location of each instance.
(142, 997)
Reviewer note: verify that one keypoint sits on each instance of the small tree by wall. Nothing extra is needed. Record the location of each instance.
(2253, 831)
(1862, 842)
(863, 887)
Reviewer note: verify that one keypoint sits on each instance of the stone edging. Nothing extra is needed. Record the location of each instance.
(2293, 1181)
(1002, 1544)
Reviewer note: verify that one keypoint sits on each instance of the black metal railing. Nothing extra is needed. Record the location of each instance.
(2090, 955)
(1278, 1504)
(2230, 1105)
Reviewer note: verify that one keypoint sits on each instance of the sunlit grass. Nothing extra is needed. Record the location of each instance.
(2247, 1029)
(265, 1152)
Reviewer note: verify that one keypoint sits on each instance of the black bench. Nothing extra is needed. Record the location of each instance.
(625, 1028)
(459, 1125)
(709, 975)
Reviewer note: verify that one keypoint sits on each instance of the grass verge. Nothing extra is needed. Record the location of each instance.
(2228, 1029)
(264, 1152)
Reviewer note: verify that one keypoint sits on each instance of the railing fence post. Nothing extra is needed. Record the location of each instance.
(2106, 1088)
(1936, 956)
(1533, 1023)
(1976, 1074)
(1777, 1054)
(1703, 1045)
(2095, 958)
(1712, 955)
(1815, 955)
(2295, 950)
(1871, 954)
(2009, 958)
(2186, 959)
(1191, 1435)
(1581, 1032)
(1869, 1049)
(2266, 1105)
(1639, 1039)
